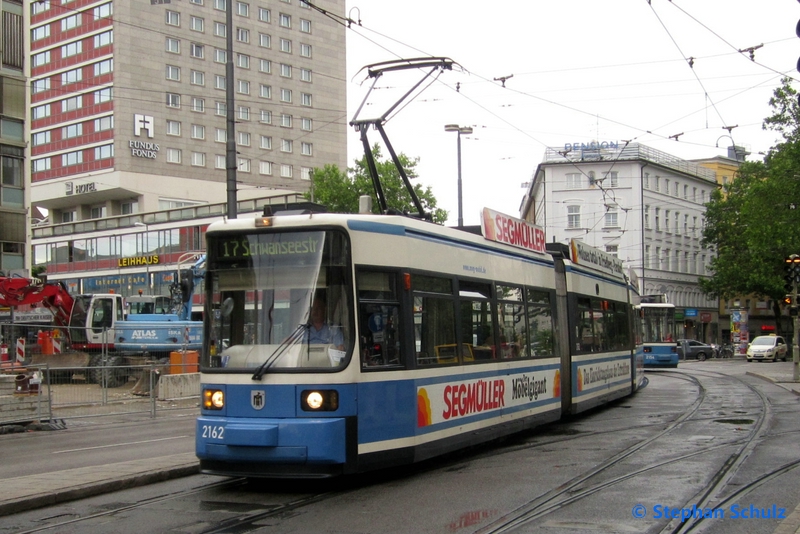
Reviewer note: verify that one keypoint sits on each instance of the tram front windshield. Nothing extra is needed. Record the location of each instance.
(278, 301)
(658, 324)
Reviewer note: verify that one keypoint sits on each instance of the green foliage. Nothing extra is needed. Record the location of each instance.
(340, 191)
(750, 224)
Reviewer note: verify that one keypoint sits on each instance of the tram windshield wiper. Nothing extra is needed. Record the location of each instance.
(298, 335)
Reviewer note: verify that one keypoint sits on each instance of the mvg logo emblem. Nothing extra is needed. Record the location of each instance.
(257, 399)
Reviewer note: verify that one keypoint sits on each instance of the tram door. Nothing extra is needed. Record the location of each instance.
(561, 324)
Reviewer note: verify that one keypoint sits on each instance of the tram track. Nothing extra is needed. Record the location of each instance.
(710, 493)
(571, 491)
(221, 485)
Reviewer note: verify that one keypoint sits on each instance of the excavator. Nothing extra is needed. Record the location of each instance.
(96, 327)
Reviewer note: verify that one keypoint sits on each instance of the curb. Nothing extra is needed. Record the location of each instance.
(90, 489)
(776, 382)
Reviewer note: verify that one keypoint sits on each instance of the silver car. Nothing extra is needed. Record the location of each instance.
(771, 348)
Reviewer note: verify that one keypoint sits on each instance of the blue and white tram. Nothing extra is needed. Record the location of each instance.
(357, 342)
(655, 332)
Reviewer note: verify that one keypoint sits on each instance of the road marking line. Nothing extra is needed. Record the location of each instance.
(118, 445)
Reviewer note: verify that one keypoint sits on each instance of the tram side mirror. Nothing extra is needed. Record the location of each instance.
(227, 307)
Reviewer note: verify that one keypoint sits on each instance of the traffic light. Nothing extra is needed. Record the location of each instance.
(791, 270)
(787, 300)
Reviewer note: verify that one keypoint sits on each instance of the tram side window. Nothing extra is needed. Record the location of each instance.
(434, 320)
(379, 320)
(587, 333)
(540, 325)
(619, 326)
(477, 321)
(511, 320)
(602, 325)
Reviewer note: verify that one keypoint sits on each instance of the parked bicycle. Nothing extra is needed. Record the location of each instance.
(726, 351)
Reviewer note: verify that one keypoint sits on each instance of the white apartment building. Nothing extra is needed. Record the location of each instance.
(642, 205)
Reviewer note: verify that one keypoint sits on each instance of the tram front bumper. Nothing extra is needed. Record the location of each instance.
(295, 441)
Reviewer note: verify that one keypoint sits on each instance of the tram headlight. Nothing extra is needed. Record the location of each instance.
(319, 400)
(213, 399)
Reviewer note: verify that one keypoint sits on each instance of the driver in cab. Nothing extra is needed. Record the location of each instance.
(319, 331)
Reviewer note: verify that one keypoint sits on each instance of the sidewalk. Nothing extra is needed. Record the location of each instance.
(35, 491)
(779, 373)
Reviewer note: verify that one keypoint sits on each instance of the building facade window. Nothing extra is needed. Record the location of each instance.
(72, 158)
(104, 152)
(173, 18)
(574, 180)
(173, 127)
(173, 73)
(611, 218)
(573, 217)
(12, 194)
(173, 45)
(198, 77)
(72, 130)
(103, 67)
(173, 155)
(71, 49)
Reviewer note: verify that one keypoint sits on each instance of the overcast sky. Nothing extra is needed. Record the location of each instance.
(577, 71)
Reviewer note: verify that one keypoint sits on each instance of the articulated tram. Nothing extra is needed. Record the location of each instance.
(655, 322)
(341, 343)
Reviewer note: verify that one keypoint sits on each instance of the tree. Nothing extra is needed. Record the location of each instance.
(340, 191)
(752, 223)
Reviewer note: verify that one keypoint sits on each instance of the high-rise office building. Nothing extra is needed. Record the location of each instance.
(13, 213)
(128, 101)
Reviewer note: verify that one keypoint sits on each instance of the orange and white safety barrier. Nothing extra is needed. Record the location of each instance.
(20, 350)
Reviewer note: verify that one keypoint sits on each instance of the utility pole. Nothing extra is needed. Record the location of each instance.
(791, 265)
(231, 164)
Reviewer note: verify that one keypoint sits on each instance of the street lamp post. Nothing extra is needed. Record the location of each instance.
(146, 242)
(466, 130)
